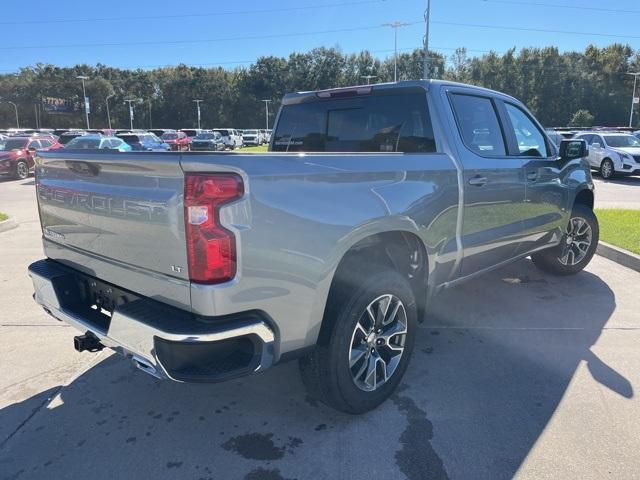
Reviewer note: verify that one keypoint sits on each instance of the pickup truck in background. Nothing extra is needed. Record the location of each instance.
(202, 267)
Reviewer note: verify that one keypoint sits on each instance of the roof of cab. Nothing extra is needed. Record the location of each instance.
(300, 97)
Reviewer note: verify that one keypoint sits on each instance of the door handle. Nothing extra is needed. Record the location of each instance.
(532, 176)
(478, 181)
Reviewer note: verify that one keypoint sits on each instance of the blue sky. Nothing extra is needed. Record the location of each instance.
(236, 33)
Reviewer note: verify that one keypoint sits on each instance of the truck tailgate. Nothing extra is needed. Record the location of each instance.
(112, 213)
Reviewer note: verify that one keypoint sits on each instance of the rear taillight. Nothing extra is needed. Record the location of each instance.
(211, 248)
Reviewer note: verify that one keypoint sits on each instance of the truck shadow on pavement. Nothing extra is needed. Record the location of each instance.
(491, 365)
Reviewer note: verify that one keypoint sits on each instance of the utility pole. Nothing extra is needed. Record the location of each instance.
(368, 78)
(266, 112)
(150, 122)
(86, 100)
(395, 25)
(425, 61)
(633, 97)
(198, 108)
(130, 102)
(15, 107)
(108, 114)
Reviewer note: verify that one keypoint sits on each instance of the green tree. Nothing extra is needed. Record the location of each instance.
(582, 118)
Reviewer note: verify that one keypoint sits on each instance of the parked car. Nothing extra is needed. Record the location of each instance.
(158, 132)
(231, 138)
(192, 132)
(211, 141)
(612, 153)
(317, 254)
(252, 137)
(67, 136)
(98, 142)
(555, 136)
(144, 142)
(176, 140)
(17, 155)
(266, 136)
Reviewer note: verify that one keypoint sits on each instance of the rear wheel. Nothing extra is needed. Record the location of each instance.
(22, 170)
(607, 170)
(578, 245)
(361, 361)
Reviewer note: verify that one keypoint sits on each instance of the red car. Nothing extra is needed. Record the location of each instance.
(16, 156)
(176, 140)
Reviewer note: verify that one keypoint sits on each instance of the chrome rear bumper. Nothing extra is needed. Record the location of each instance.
(161, 340)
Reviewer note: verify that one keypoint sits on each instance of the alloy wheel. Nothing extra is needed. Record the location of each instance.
(377, 342)
(577, 241)
(22, 170)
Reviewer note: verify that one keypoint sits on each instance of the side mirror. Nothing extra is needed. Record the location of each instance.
(572, 149)
(596, 145)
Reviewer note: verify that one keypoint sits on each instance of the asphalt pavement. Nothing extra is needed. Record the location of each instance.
(620, 192)
(515, 374)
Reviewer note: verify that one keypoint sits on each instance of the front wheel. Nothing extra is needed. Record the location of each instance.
(358, 365)
(578, 245)
(607, 170)
(22, 170)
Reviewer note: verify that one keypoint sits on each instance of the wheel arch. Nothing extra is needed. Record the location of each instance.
(401, 250)
(585, 197)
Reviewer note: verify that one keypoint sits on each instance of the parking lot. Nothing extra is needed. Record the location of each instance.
(527, 375)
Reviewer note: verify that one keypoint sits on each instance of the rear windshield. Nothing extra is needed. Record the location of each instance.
(130, 138)
(224, 133)
(13, 143)
(84, 143)
(206, 136)
(396, 122)
(64, 139)
(169, 136)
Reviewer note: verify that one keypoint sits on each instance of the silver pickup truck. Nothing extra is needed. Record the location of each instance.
(202, 267)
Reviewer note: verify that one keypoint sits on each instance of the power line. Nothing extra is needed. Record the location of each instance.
(192, 15)
(186, 42)
(539, 30)
(553, 5)
(317, 32)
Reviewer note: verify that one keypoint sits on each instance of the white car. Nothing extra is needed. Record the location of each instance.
(231, 138)
(252, 137)
(612, 153)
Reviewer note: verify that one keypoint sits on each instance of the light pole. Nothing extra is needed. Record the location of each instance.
(368, 78)
(86, 100)
(633, 97)
(266, 112)
(395, 25)
(425, 61)
(108, 114)
(150, 122)
(130, 102)
(15, 107)
(198, 102)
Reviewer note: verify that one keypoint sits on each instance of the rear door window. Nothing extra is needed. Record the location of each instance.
(478, 124)
(376, 123)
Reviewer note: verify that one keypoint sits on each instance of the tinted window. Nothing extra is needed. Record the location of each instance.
(130, 139)
(384, 123)
(531, 142)
(478, 124)
(46, 143)
(224, 133)
(34, 144)
(13, 143)
(622, 141)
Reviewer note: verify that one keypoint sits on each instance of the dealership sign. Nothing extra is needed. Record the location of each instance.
(57, 105)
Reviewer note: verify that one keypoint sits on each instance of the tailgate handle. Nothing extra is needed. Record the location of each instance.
(83, 168)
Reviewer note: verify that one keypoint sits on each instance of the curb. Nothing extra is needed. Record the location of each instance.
(618, 255)
(7, 225)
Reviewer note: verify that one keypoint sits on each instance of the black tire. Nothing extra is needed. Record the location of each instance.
(326, 372)
(607, 169)
(22, 170)
(550, 260)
